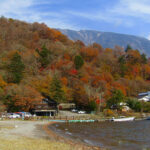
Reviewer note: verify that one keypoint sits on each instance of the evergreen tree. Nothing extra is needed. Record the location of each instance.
(144, 59)
(15, 69)
(134, 104)
(128, 48)
(45, 56)
(78, 61)
(116, 99)
(122, 64)
(56, 91)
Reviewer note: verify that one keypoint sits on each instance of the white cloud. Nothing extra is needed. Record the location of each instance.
(119, 14)
(14, 6)
(56, 23)
(39, 2)
(24, 10)
(105, 16)
(148, 37)
(133, 8)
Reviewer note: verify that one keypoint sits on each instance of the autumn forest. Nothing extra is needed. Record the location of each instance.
(37, 61)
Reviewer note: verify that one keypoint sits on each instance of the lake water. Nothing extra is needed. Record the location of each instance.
(112, 135)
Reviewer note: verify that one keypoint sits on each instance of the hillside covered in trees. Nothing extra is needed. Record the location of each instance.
(38, 61)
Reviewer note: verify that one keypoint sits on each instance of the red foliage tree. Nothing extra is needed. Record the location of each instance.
(73, 72)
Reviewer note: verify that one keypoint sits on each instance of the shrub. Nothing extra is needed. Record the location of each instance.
(146, 107)
(108, 112)
(92, 106)
(116, 99)
(134, 104)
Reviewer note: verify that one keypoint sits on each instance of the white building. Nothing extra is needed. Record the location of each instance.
(144, 96)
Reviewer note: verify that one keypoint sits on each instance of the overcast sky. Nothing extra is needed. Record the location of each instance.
(121, 16)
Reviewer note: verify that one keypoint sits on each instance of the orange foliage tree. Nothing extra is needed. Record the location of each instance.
(42, 85)
(64, 81)
(79, 96)
(2, 82)
(89, 53)
(23, 97)
(85, 79)
(120, 87)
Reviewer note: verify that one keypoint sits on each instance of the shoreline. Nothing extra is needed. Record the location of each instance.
(67, 140)
(31, 135)
(24, 132)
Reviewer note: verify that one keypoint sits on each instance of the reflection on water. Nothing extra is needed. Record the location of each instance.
(112, 135)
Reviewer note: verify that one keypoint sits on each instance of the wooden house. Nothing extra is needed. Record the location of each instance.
(47, 107)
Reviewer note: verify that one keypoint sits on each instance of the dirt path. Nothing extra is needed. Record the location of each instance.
(15, 129)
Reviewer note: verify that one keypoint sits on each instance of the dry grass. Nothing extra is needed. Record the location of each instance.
(17, 142)
(6, 127)
(32, 144)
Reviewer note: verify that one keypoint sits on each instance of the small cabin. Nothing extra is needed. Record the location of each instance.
(48, 107)
(66, 106)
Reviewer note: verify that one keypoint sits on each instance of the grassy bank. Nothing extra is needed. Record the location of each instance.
(32, 144)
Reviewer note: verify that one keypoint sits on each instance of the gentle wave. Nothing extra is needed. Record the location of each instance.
(112, 135)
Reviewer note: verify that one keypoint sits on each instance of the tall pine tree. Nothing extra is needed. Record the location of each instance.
(15, 69)
(78, 61)
(128, 48)
(45, 56)
(56, 91)
(122, 64)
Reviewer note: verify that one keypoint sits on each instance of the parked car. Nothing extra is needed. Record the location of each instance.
(3, 116)
(27, 114)
(74, 110)
(24, 114)
(81, 112)
(13, 115)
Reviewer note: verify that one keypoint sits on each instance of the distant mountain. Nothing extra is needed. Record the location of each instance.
(109, 39)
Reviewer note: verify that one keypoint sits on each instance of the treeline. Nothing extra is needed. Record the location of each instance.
(38, 61)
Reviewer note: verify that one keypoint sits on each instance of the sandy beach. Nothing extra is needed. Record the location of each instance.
(32, 135)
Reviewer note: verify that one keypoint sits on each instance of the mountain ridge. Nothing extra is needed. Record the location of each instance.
(109, 39)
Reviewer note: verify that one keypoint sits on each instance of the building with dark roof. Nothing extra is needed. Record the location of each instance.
(144, 96)
(47, 107)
